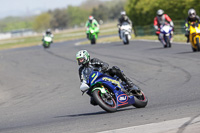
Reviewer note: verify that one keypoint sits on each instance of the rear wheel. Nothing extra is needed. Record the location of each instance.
(140, 99)
(105, 102)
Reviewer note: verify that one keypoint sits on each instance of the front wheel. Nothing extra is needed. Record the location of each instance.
(197, 44)
(106, 103)
(125, 39)
(93, 40)
(168, 41)
(140, 99)
(46, 45)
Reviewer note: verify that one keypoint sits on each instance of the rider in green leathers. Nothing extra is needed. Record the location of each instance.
(91, 23)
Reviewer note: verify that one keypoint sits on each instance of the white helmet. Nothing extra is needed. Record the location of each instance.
(160, 12)
(123, 13)
(83, 57)
(191, 13)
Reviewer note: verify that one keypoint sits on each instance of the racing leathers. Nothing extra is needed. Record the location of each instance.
(92, 23)
(120, 22)
(47, 33)
(158, 21)
(188, 21)
(111, 71)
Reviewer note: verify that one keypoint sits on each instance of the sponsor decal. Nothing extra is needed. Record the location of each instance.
(112, 80)
(94, 77)
(123, 98)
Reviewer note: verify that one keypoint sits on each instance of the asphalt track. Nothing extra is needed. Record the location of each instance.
(39, 89)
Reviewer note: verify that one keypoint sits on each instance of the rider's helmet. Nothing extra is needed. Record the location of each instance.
(83, 57)
(90, 18)
(191, 13)
(123, 15)
(48, 31)
(160, 13)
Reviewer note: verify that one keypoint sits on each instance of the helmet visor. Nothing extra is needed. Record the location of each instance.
(192, 15)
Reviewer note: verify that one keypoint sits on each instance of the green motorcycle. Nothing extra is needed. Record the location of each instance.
(47, 40)
(92, 33)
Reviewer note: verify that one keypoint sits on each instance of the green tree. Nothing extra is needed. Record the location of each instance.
(101, 13)
(76, 16)
(42, 22)
(59, 19)
(142, 12)
(15, 23)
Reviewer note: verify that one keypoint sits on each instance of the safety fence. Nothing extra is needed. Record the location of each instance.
(149, 29)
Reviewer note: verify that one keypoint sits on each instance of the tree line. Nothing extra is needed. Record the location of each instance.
(142, 12)
(62, 18)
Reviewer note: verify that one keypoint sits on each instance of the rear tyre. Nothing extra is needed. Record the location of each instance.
(140, 100)
(107, 104)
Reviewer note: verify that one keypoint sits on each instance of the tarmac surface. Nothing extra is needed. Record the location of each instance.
(39, 89)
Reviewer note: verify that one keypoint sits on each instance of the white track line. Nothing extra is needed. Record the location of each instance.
(184, 125)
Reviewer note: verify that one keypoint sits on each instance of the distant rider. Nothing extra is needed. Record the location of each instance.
(83, 59)
(91, 23)
(48, 33)
(159, 20)
(192, 17)
(123, 18)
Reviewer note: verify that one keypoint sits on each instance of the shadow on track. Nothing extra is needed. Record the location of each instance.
(61, 57)
(157, 48)
(95, 113)
(187, 52)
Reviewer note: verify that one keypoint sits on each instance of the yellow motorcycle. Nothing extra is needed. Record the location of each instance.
(195, 36)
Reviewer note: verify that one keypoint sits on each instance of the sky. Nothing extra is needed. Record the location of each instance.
(32, 7)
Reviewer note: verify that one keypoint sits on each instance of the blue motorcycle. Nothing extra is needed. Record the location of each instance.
(108, 92)
(166, 31)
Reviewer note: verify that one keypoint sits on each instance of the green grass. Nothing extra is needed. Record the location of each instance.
(71, 34)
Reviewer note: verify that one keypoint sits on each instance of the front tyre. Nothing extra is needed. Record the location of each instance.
(93, 40)
(168, 41)
(107, 104)
(140, 99)
(198, 44)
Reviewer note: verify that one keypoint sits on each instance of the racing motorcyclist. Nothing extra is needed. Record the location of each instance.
(48, 33)
(90, 23)
(83, 59)
(192, 17)
(159, 20)
(123, 18)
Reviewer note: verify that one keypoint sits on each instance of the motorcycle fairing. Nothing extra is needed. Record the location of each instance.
(114, 85)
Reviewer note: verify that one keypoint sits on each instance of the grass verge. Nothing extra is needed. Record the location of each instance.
(71, 34)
